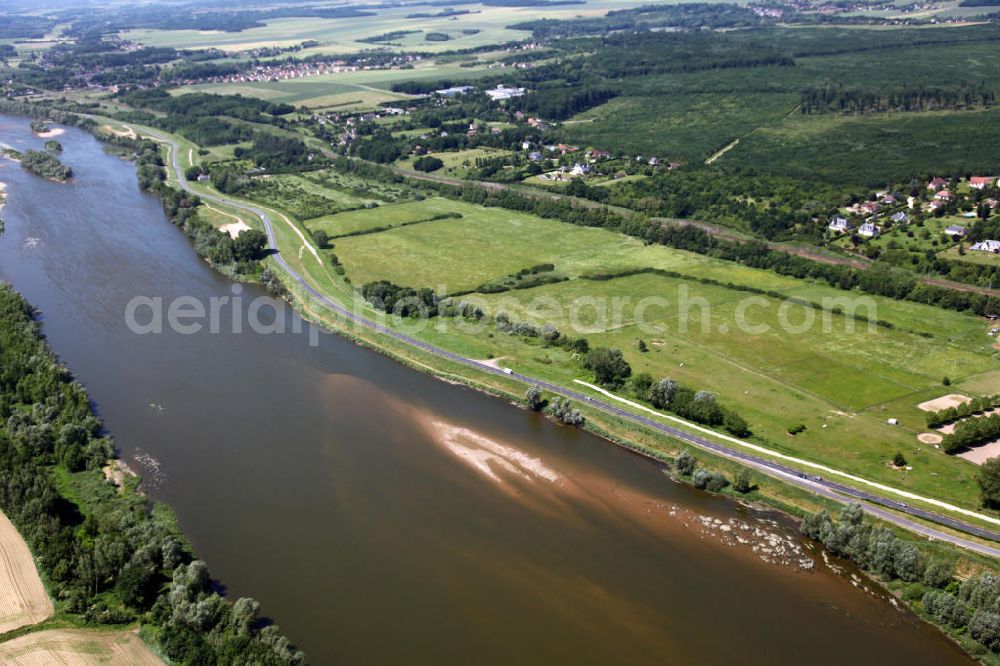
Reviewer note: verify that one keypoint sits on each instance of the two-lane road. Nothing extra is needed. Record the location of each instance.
(874, 504)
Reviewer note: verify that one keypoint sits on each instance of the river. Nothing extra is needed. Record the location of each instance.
(382, 516)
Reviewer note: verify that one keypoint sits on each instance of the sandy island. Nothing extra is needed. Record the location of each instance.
(54, 132)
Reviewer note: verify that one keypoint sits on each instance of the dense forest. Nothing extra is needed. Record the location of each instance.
(107, 557)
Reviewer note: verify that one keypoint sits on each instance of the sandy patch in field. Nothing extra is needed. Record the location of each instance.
(981, 454)
(930, 438)
(55, 131)
(78, 647)
(944, 402)
(23, 600)
(233, 229)
(129, 132)
(492, 362)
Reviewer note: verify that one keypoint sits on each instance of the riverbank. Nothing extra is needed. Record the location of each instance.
(386, 527)
(49, 488)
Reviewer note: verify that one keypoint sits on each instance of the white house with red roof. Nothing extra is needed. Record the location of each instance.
(981, 182)
(936, 184)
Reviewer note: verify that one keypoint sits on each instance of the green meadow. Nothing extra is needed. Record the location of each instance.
(779, 363)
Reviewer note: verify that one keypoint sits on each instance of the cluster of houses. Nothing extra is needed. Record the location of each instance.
(297, 70)
(939, 197)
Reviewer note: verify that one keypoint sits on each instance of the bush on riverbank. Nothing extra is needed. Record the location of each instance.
(965, 609)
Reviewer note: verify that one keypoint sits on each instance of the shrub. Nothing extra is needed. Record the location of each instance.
(685, 463)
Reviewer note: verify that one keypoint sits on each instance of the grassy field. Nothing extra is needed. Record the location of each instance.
(842, 384)
(385, 216)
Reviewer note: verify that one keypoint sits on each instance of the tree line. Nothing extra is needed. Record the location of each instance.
(968, 607)
(867, 99)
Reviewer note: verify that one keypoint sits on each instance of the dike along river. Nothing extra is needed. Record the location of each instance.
(384, 517)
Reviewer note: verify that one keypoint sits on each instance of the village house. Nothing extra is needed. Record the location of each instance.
(987, 246)
(981, 182)
(580, 169)
(868, 230)
(869, 207)
(955, 230)
(900, 218)
(944, 195)
(839, 225)
(937, 184)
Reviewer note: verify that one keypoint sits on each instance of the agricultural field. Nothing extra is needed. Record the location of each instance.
(343, 91)
(78, 647)
(24, 600)
(483, 26)
(842, 378)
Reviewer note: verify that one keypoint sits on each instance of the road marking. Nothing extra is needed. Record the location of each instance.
(798, 461)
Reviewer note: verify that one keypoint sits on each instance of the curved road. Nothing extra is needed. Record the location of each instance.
(831, 489)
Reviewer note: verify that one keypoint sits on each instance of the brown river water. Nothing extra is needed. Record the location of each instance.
(385, 517)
